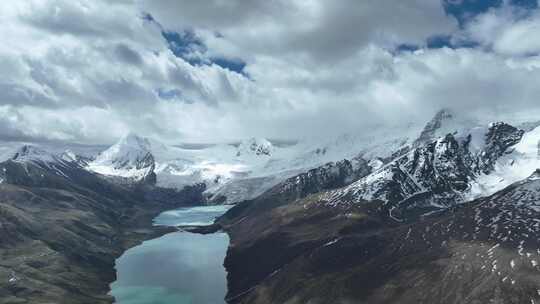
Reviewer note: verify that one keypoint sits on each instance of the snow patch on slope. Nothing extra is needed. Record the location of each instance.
(512, 167)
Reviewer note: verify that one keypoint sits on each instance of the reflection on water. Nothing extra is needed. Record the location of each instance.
(178, 268)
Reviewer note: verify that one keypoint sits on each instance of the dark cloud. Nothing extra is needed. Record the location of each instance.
(128, 55)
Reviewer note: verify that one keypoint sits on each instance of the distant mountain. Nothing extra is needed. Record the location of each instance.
(255, 146)
(36, 155)
(233, 173)
(446, 122)
(39, 167)
(131, 158)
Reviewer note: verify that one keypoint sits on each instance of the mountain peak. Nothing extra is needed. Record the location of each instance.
(445, 121)
(436, 123)
(255, 145)
(443, 114)
(33, 153)
(134, 140)
(130, 157)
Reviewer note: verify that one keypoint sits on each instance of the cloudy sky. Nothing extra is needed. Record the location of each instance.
(219, 70)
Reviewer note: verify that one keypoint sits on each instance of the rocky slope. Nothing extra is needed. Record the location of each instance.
(485, 251)
(61, 228)
(403, 230)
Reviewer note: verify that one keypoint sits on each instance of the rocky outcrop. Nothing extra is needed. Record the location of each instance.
(499, 139)
(329, 176)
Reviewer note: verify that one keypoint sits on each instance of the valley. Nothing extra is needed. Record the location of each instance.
(270, 152)
(450, 214)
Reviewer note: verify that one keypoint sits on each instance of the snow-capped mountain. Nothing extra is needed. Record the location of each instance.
(35, 166)
(235, 172)
(447, 122)
(255, 146)
(440, 173)
(456, 207)
(483, 251)
(131, 157)
(34, 154)
(29, 154)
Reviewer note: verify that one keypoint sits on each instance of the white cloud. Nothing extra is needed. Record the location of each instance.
(92, 70)
(508, 30)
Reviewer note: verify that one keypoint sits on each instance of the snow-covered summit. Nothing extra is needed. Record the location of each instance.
(130, 157)
(447, 121)
(255, 146)
(32, 153)
(242, 171)
(31, 157)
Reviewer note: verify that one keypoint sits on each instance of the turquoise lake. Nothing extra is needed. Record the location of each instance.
(177, 268)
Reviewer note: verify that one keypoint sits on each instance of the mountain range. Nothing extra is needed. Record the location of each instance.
(441, 212)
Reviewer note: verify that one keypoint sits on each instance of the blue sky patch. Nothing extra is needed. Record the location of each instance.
(185, 45)
(191, 48)
(235, 65)
(406, 47)
(188, 46)
(465, 10)
(437, 42)
(441, 41)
